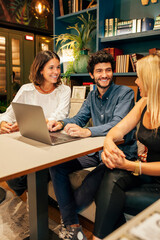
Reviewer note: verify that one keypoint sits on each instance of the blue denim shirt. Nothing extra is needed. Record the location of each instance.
(106, 112)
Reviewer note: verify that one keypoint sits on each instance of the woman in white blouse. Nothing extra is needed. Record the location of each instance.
(47, 91)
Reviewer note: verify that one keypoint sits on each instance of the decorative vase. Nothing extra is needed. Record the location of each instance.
(80, 63)
(144, 2)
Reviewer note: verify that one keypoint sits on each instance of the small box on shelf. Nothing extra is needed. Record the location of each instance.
(147, 24)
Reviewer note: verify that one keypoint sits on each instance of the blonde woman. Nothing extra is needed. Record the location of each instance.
(122, 174)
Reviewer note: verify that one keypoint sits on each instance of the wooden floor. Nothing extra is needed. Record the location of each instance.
(55, 215)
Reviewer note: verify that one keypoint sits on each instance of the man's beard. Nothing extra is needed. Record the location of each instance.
(103, 87)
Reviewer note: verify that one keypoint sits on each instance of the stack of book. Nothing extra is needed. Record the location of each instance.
(128, 26)
(115, 26)
(127, 63)
(157, 23)
(72, 6)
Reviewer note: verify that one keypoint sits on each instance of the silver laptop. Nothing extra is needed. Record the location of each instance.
(32, 124)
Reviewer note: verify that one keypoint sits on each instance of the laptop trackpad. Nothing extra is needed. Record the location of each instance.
(58, 138)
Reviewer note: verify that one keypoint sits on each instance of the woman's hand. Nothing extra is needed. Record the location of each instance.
(112, 156)
(6, 127)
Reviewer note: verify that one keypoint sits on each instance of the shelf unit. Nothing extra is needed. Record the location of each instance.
(122, 9)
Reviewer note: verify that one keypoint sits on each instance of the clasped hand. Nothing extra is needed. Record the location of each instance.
(71, 129)
(8, 127)
(112, 156)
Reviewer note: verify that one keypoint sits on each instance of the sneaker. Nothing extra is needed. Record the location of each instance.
(74, 233)
(62, 230)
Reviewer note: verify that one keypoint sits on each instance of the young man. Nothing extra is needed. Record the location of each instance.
(106, 105)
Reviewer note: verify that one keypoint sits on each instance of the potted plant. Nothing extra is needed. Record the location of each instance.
(79, 42)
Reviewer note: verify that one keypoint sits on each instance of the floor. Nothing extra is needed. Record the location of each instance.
(55, 215)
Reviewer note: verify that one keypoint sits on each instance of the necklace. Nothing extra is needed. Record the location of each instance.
(44, 91)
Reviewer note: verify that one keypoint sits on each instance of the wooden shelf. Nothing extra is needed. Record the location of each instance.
(152, 34)
(72, 17)
(129, 74)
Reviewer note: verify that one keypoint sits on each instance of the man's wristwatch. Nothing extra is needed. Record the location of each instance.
(61, 123)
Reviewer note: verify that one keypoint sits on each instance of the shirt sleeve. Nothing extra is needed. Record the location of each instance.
(124, 104)
(9, 115)
(62, 110)
(83, 116)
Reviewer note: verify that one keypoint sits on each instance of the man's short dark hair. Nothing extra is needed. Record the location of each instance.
(100, 57)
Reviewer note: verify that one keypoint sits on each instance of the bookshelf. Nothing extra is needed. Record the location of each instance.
(139, 42)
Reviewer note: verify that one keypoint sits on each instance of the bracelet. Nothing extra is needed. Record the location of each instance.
(137, 170)
(61, 123)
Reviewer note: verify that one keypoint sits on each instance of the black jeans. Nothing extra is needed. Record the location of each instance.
(110, 198)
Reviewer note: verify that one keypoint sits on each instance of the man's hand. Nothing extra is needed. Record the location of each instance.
(54, 126)
(6, 127)
(76, 131)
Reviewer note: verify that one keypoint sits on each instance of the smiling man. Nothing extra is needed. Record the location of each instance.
(106, 105)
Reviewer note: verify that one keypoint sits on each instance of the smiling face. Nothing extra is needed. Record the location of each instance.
(51, 71)
(102, 75)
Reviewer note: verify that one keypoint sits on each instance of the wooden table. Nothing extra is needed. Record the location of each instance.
(21, 156)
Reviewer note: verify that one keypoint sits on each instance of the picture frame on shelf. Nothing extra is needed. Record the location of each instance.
(79, 92)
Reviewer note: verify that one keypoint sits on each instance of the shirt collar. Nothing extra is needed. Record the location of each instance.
(107, 93)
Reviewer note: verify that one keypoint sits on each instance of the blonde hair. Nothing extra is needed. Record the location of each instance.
(148, 70)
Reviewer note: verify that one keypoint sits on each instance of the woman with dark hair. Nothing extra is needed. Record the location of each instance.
(45, 90)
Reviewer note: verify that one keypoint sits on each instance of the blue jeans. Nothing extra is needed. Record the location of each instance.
(70, 201)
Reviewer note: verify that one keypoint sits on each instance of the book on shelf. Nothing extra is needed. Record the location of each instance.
(71, 6)
(114, 52)
(110, 28)
(154, 50)
(87, 83)
(134, 57)
(123, 64)
(106, 22)
(147, 24)
(61, 7)
(139, 25)
(157, 23)
(127, 26)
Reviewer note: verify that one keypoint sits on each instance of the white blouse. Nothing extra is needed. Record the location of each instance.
(55, 104)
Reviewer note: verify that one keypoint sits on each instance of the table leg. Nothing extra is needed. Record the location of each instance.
(38, 205)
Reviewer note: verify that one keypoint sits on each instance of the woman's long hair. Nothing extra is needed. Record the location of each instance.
(148, 70)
